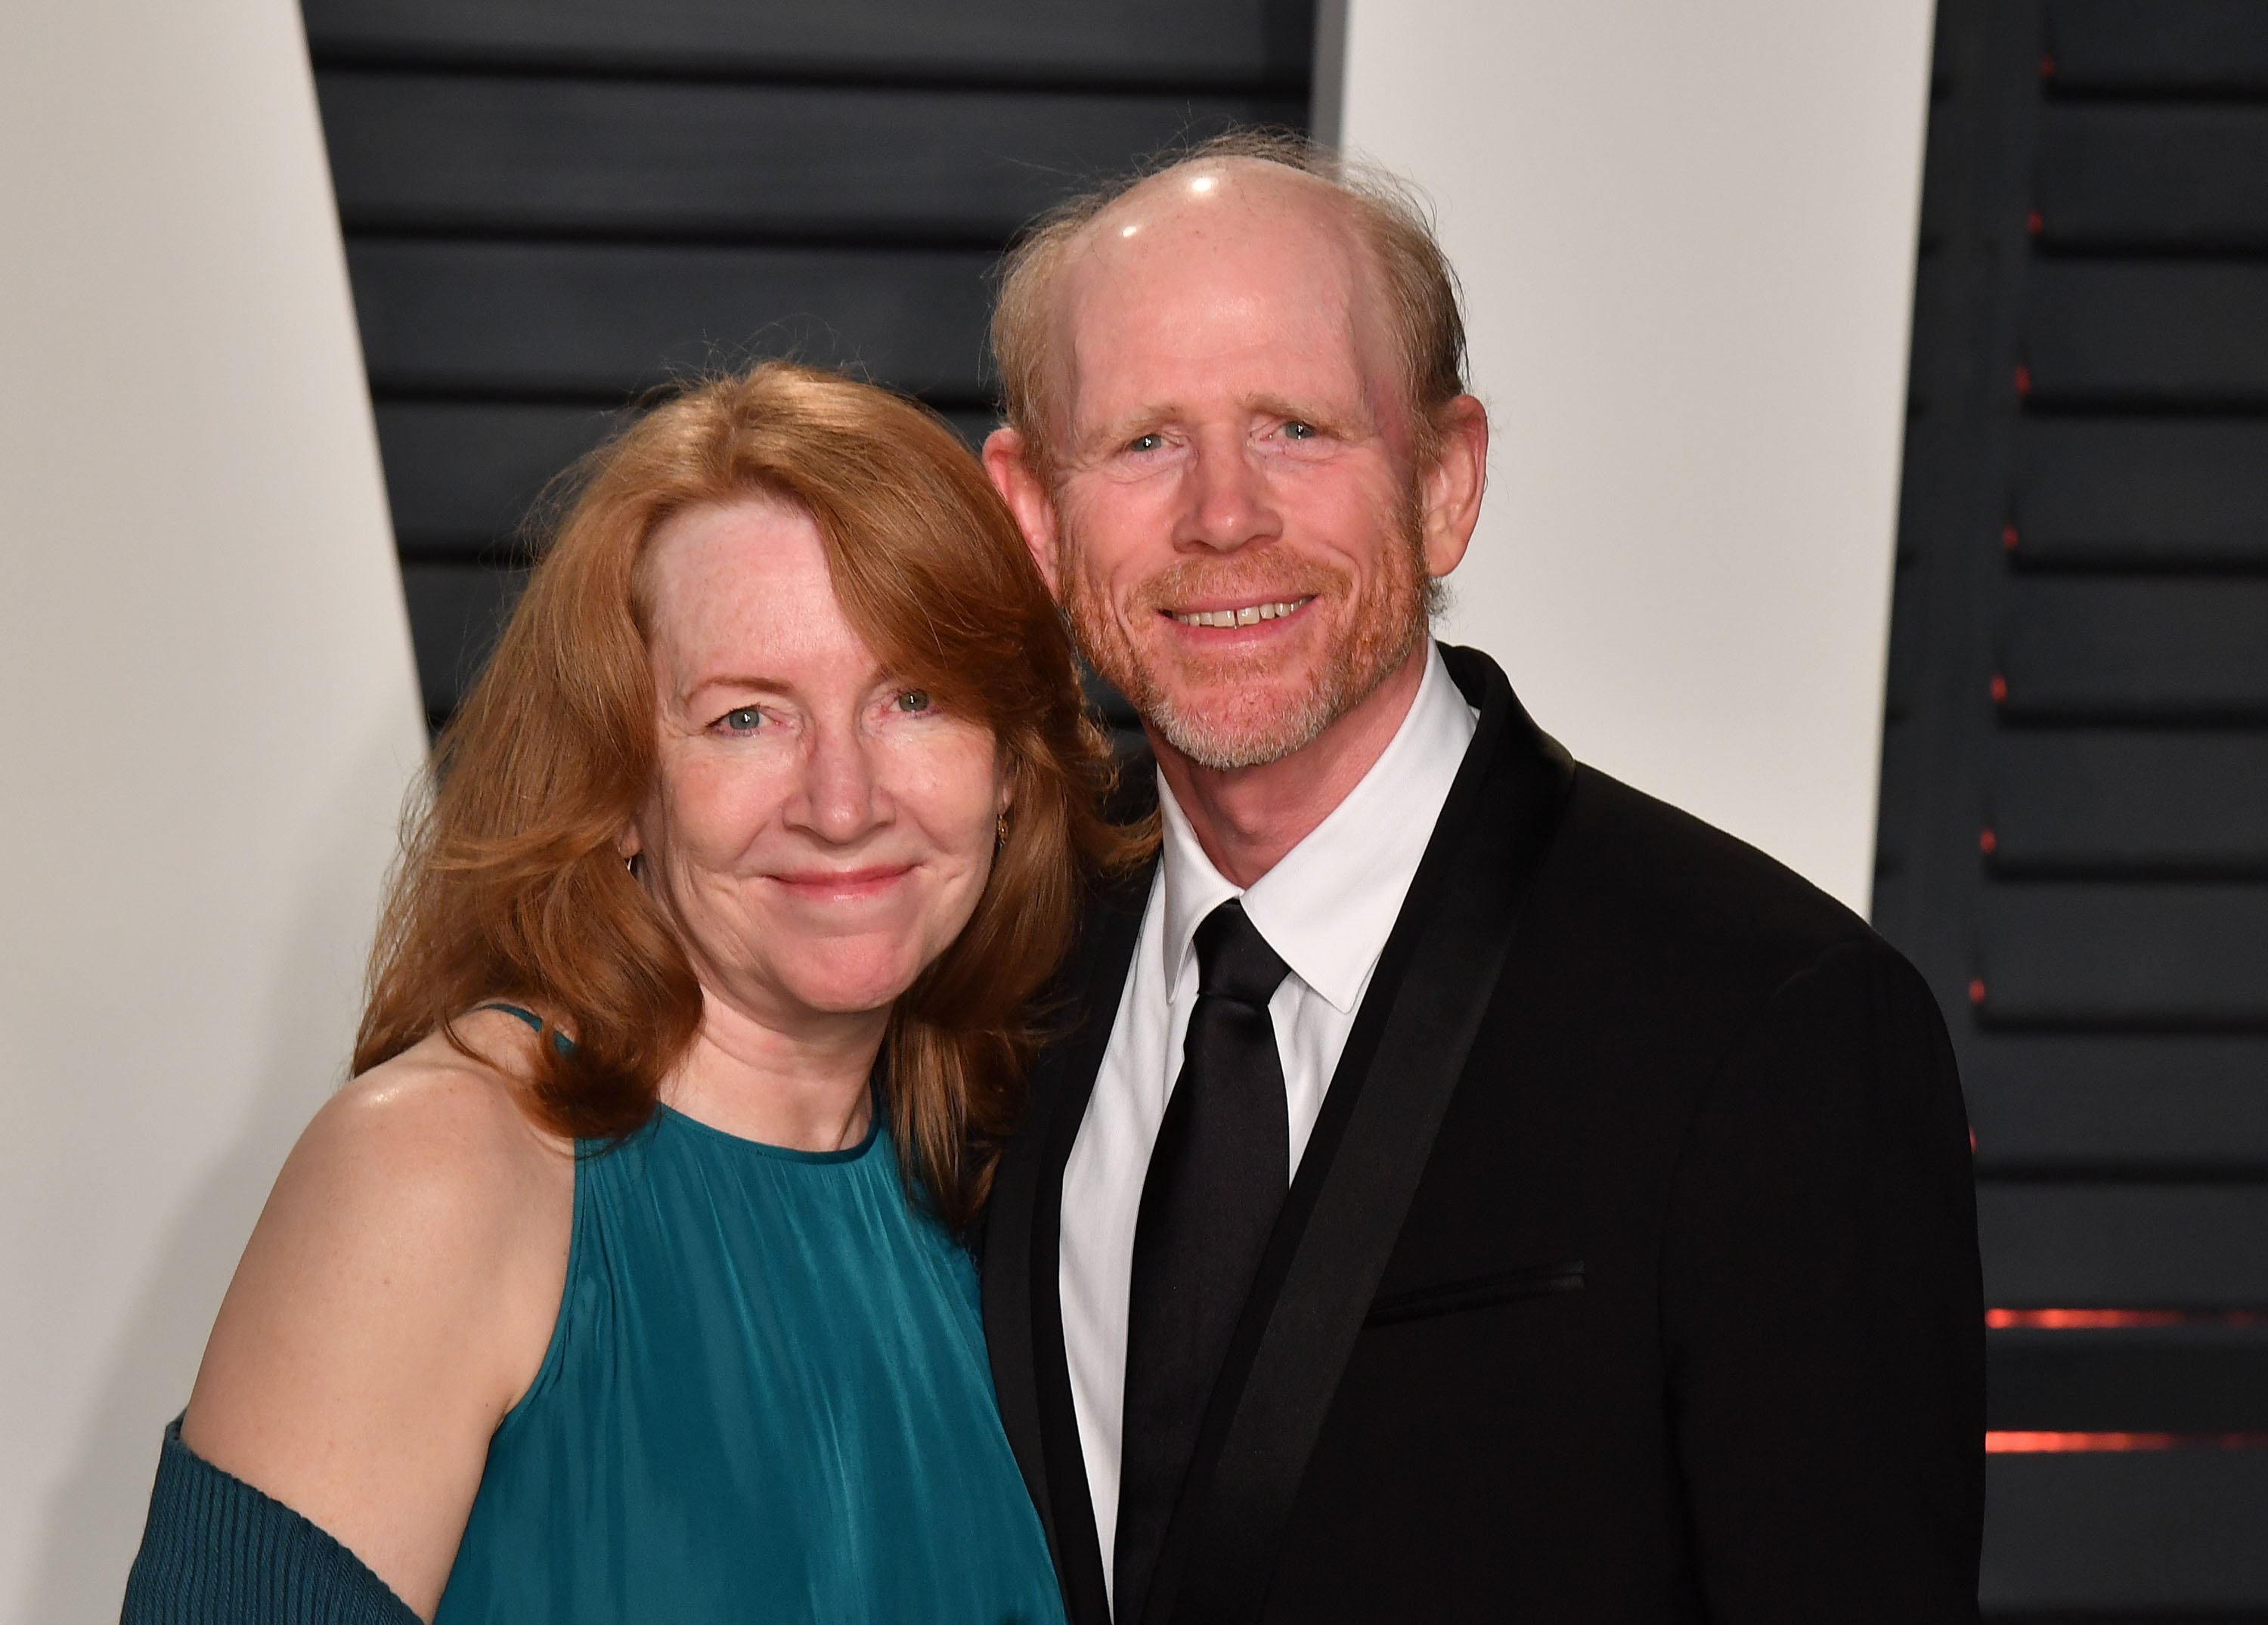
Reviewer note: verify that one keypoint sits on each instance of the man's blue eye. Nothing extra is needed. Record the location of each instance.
(744, 719)
(1146, 443)
(1297, 431)
(914, 699)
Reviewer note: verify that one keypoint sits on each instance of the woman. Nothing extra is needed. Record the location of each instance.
(622, 1283)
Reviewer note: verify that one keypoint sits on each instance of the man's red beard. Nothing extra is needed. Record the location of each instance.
(1238, 710)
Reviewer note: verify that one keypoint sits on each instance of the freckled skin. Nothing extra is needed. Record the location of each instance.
(818, 837)
(818, 833)
(1232, 430)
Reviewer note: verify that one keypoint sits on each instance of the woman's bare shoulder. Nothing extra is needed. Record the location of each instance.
(441, 1124)
(396, 1299)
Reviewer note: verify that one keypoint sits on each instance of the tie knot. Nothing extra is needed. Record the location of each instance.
(1234, 961)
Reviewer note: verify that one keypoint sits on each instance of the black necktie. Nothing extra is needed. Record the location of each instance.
(1217, 1175)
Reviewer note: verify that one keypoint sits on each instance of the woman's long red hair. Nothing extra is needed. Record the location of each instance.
(511, 885)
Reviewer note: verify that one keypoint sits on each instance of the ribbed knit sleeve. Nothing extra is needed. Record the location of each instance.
(215, 1551)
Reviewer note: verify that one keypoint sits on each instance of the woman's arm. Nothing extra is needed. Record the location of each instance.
(395, 1300)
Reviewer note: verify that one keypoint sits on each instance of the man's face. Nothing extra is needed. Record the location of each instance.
(1237, 537)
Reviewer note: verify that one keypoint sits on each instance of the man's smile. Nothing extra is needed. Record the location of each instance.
(1242, 614)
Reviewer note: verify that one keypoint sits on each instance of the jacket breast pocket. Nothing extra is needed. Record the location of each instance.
(1501, 1286)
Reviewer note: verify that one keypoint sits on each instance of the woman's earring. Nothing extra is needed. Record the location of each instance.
(1003, 827)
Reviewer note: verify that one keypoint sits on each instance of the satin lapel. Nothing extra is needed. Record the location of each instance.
(1344, 1213)
(1023, 1309)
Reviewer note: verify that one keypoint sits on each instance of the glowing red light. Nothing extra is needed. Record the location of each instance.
(2107, 1319)
(2024, 1443)
(2017, 1444)
(2080, 1319)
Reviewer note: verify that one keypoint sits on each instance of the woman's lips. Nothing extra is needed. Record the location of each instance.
(842, 884)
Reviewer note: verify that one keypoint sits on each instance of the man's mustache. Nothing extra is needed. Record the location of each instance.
(1206, 582)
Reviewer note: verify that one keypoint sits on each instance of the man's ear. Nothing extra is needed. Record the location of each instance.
(1452, 487)
(1027, 497)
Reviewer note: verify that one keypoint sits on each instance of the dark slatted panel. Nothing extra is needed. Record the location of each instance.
(2156, 45)
(2153, 176)
(2195, 1377)
(1174, 43)
(2127, 1538)
(2141, 1246)
(2174, 333)
(2128, 801)
(461, 473)
(2095, 953)
(455, 611)
(2074, 828)
(2072, 802)
(2092, 649)
(2102, 1104)
(598, 321)
(2142, 492)
(607, 158)
(554, 206)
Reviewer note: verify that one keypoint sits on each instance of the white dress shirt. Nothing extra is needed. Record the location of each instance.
(1326, 909)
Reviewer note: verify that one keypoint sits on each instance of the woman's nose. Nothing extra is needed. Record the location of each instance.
(842, 795)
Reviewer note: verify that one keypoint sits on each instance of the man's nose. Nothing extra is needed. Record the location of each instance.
(1229, 503)
(842, 795)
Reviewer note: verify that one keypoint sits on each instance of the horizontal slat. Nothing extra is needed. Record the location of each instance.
(1166, 41)
(2124, 1247)
(1942, 171)
(2175, 332)
(455, 613)
(2129, 801)
(2116, 1102)
(2200, 1378)
(2097, 1532)
(516, 319)
(2151, 176)
(461, 476)
(2141, 491)
(2118, 647)
(502, 154)
(2185, 45)
(2125, 954)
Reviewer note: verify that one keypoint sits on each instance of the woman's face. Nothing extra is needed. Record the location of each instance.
(818, 831)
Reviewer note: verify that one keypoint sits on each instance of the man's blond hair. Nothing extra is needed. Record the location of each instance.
(1419, 289)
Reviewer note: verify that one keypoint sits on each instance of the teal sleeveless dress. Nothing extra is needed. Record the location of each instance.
(766, 1399)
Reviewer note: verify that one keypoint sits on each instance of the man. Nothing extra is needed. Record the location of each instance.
(1466, 1189)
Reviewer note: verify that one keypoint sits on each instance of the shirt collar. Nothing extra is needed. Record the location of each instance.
(1327, 907)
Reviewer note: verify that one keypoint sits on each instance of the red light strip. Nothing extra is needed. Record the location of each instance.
(2102, 1319)
(2019, 1444)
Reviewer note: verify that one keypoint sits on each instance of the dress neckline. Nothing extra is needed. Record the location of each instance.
(784, 1153)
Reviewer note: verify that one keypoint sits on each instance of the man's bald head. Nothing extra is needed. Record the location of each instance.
(1405, 278)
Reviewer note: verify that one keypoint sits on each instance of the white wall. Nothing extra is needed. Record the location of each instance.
(1687, 238)
(207, 717)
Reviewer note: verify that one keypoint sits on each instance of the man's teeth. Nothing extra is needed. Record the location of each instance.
(1251, 614)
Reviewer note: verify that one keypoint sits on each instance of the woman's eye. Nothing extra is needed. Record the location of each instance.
(914, 699)
(743, 719)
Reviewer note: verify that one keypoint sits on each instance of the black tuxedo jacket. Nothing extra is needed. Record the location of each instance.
(1629, 1274)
